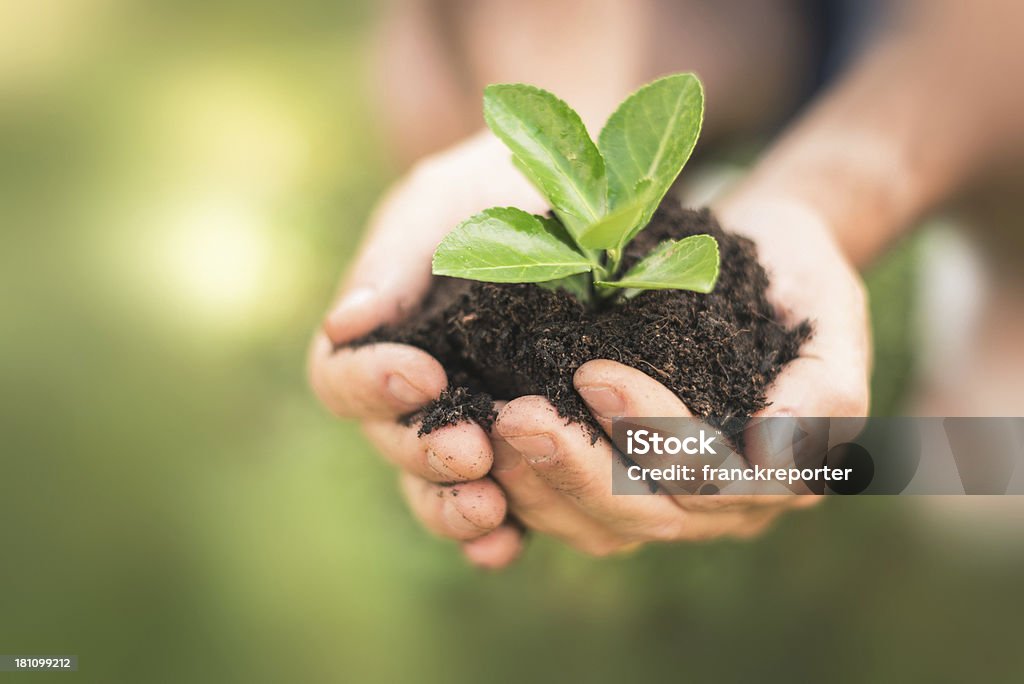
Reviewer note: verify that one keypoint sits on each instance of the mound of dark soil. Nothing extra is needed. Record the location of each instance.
(718, 352)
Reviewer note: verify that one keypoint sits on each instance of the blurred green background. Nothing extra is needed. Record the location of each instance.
(180, 185)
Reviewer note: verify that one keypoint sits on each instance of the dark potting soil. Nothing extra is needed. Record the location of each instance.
(718, 352)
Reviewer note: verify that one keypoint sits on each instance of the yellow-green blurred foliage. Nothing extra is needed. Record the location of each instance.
(180, 184)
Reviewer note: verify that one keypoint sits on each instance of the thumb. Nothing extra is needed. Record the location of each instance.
(392, 270)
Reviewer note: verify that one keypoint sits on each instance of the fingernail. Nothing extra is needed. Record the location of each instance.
(405, 392)
(338, 322)
(603, 400)
(536, 448)
(438, 465)
(505, 456)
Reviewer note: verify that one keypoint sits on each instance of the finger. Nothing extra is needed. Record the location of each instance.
(455, 453)
(378, 380)
(830, 377)
(808, 416)
(462, 511)
(819, 387)
(495, 550)
(611, 389)
(542, 509)
(566, 458)
(391, 272)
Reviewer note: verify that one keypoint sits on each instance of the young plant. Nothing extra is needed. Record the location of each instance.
(602, 194)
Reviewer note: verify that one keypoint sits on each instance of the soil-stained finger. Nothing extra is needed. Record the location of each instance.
(611, 389)
(461, 511)
(542, 509)
(378, 380)
(455, 453)
(580, 468)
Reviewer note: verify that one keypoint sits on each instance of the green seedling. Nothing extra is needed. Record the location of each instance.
(602, 195)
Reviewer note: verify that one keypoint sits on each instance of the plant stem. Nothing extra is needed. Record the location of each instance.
(602, 293)
(614, 258)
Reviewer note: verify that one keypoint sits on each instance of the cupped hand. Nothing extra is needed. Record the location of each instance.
(558, 481)
(553, 478)
(444, 473)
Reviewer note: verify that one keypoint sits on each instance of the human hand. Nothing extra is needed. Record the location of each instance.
(568, 496)
(444, 473)
(560, 482)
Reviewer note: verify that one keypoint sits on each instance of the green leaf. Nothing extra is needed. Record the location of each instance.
(507, 245)
(687, 264)
(553, 149)
(608, 233)
(648, 139)
(556, 229)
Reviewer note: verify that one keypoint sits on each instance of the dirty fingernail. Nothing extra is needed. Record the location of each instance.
(405, 392)
(338, 323)
(603, 400)
(536, 448)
